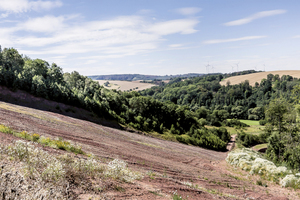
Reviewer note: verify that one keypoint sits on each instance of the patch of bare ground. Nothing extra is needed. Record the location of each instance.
(168, 167)
(257, 77)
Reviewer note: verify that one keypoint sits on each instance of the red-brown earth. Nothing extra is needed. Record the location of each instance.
(174, 164)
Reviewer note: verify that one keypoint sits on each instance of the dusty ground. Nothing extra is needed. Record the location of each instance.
(175, 165)
(257, 77)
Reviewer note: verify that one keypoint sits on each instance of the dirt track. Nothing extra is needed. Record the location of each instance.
(173, 163)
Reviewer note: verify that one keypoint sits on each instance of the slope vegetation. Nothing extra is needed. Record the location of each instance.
(257, 77)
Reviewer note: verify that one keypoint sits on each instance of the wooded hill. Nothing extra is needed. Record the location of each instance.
(206, 97)
(130, 109)
(134, 77)
(274, 101)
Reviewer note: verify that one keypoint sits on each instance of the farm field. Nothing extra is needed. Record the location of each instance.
(167, 167)
(126, 85)
(257, 77)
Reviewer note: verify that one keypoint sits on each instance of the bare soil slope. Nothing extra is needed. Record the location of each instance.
(192, 172)
(257, 77)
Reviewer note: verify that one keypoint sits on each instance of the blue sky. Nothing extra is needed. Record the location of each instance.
(156, 37)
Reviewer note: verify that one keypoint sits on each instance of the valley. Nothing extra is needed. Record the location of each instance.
(168, 167)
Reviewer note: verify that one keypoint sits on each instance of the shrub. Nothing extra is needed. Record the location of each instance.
(5, 129)
(249, 160)
(235, 123)
(24, 135)
(262, 122)
(118, 169)
(35, 137)
(291, 181)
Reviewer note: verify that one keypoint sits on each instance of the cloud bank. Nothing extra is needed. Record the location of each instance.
(19, 6)
(111, 38)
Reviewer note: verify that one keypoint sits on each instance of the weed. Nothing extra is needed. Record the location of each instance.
(229, 186)
(177, 196)
(35, 137)
(156, 193)
(119, 189)
(259, 182)
(5, 129)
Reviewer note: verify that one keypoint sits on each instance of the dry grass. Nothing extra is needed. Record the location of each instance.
(126, 85)
(29, 172)
(257, 77)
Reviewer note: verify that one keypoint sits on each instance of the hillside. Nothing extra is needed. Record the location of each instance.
(257, 77)
(168, 168)
(135, 77)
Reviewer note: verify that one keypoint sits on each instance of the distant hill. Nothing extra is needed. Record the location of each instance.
(257, 77)
(134, 77)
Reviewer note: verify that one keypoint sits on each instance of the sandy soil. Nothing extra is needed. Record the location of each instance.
(257, 77)
(175, 165)
(126, 85)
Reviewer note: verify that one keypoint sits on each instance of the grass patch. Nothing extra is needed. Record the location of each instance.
(54, 143)
(253, 129)
(250, 122)
(260, 146)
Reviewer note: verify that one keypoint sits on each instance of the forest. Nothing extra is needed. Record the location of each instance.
(179, 110)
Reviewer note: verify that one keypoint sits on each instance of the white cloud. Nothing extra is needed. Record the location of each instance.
(4, 15)
(113, 38)
(254, 17)
(296, 36)
(175, 45)
(46, 24)
(183, 26)
(19, 6)
(188, 10)
(233, 39)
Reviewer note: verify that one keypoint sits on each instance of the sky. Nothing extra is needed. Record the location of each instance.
(156, 37)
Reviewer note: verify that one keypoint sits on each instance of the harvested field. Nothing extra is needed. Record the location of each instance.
(168, 167)
(126, 85)
(257, 77)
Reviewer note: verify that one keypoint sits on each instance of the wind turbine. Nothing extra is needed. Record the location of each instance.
(237, 66)
(207, 68)
(213, 68)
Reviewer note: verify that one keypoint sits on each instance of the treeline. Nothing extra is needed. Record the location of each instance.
(134, 77)
(209, 100)
(39, 78)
